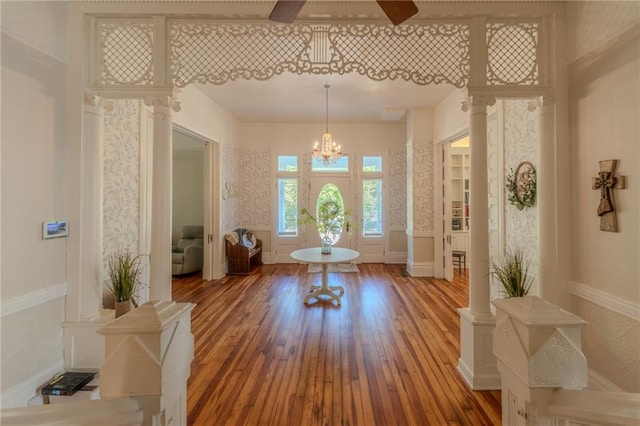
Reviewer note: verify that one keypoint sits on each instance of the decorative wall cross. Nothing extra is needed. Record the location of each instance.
(606, 182)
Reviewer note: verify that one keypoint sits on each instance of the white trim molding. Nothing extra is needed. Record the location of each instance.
(20, 394)
(30, 300)
(606, 300)
(598, 382)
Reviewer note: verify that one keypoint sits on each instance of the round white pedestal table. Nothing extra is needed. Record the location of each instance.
(314, 255)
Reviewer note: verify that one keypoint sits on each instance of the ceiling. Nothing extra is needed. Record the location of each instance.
(301, 98)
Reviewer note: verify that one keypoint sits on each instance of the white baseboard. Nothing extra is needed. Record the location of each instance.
(478, 382)
(20, 394)
(420, 269)
(396, 258)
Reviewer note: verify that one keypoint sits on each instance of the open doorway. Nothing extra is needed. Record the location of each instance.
(456, 201)
(193, 212)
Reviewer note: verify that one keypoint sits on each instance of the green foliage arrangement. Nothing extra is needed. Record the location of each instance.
(330, 221)
(522, 190)
(513, 273)
(124, 275)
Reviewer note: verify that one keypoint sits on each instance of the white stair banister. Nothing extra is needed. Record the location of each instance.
(539, 349)
(148, 356)
(595, 407)
(121, 412)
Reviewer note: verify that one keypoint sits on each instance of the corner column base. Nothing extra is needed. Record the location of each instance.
(477, 364)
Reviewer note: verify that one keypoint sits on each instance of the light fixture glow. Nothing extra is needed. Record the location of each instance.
(327, 151)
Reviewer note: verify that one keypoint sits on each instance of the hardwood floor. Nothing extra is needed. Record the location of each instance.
(387, 356)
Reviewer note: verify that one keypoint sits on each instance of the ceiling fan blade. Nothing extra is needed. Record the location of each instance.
(286, 11)
(398, 11)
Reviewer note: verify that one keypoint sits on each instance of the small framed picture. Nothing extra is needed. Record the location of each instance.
(55, 229)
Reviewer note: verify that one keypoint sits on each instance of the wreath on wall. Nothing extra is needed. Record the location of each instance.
(521, 185)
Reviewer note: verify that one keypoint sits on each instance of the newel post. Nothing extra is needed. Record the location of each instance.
(148, 356)
(539, 349)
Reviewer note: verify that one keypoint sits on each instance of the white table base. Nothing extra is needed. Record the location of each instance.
(314, 255)
(325, 289)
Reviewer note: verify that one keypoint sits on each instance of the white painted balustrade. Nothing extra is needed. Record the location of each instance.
(543, 369)
(143, 381)
(148, 357)
(121, 412)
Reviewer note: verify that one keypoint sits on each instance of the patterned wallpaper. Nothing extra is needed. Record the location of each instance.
(521, 144)
(422, 185)
(121, 178)
(255, 182)
(397, 190)
(231, 187)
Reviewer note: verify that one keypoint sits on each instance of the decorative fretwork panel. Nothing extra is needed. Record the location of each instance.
(215, 53)
(512, 53)
(423, 54)
(127, 52)
(201, 51)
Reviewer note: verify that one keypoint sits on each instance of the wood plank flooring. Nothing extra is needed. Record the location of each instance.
(387, 356)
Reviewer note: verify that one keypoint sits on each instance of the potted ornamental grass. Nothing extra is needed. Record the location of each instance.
(512, 271)
(125, 270)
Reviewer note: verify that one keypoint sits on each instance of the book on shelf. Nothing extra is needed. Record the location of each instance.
(68, 383)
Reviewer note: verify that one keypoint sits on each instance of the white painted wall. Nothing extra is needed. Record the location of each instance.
(355, 138)
(604, 108)
(188, 190)
(201, 115)
(33, 283)
(449, 119)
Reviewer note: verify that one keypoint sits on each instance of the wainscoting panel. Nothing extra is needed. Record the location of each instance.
(611, 339)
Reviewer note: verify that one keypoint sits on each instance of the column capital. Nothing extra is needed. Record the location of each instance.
(477, 100)
(163, 101)
(98, 101)
(541, 102)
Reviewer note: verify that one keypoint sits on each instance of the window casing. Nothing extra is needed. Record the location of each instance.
(287, 185)
(372, 196)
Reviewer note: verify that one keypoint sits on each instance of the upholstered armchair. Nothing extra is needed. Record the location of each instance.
(188, 255)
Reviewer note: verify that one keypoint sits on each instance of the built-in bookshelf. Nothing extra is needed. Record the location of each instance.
(460, 193)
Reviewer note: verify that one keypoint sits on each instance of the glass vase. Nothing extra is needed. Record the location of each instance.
(326, 245)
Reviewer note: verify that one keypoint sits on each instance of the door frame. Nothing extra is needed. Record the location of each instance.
(442, 251)
(317, 181)
(212, 267)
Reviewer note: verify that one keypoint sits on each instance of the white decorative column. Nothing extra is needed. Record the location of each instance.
(148, 356)
(546, 193)
(161, 196)
(477, 363)
(83, 347)
(539, 349)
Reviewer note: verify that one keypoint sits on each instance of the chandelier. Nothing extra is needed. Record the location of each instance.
(327, 151)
